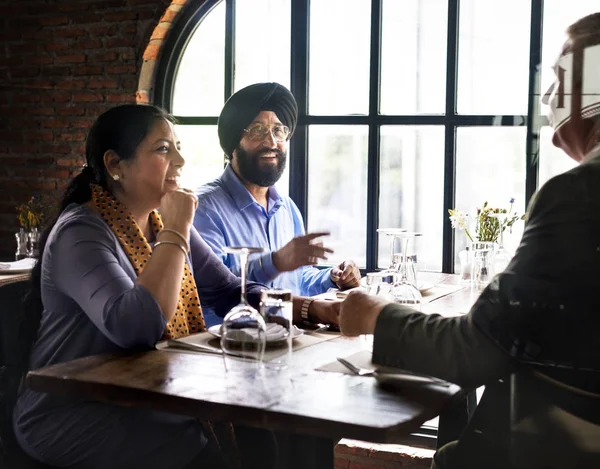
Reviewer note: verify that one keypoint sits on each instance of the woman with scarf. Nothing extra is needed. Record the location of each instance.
(542, 313)
(117, 274)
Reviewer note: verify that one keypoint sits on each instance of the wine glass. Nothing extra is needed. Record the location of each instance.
(243, 332)
(405, 290)
(393, 233)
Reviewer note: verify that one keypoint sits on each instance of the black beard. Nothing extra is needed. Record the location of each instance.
(252, 171)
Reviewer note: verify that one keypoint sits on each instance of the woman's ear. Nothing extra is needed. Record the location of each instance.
(112, 164)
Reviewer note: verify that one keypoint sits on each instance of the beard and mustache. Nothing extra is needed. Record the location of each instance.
(254, 171)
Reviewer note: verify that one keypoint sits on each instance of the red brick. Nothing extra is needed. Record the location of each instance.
(341, 463)
(42, 185)
(123, 16)
(39, 136)
(366, 465)
(70, 85)
(87, 44)
(25, 72)
(170, 15)
(54, 70)
(160, 32)
(57, 46)
(69, 162)
(120, 98)
(128, 41)
(92, 84)
(103, 57)
(56, 173)
(152, 51)
(70, 59)
(87, 70)
(60, 148)
(87, 97)
(121, 69)
(54, 20)
(70, 111)
(71, 137)
(41, 60)
(127, 55)
(60, 97)
(69, 32)
(82, 123)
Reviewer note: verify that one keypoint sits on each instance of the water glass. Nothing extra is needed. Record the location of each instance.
(276, 309)
(380, 284)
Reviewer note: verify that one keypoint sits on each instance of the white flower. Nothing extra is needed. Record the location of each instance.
(459, 220)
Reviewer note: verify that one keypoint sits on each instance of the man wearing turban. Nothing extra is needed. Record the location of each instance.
(243, 208)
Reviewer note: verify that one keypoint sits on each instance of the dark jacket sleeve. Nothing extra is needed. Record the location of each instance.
(558, 259)
(218, 288)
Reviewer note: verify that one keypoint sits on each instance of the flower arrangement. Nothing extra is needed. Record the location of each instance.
(31, 214)
(489, 222)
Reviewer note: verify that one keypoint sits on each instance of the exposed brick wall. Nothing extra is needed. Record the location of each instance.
(61, 64)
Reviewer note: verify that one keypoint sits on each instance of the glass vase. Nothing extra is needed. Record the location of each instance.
(33, 249)
(22, 237)
(483, 269)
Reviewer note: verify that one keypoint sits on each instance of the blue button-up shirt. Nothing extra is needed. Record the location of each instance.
(228, 215)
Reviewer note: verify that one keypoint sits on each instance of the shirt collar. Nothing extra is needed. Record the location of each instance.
(242, 196)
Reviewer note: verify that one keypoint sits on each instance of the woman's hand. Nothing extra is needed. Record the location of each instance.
(177, 210)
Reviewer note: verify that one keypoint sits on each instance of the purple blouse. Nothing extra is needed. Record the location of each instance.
(92, 305)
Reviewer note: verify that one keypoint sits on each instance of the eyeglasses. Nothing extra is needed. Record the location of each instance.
(259, 132)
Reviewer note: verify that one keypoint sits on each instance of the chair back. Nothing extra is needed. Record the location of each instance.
(553, 424)
(14, 360)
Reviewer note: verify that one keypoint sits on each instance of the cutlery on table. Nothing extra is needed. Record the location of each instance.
(404, 375)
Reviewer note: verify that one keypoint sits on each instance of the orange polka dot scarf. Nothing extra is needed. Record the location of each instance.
(188, 318)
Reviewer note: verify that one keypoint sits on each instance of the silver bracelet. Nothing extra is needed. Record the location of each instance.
(175, 232)
(304, 310)
(174, 243)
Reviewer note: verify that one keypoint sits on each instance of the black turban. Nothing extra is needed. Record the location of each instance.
(243, 107)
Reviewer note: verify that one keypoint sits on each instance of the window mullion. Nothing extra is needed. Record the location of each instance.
(374, 138)
(450, 139)
(533, 108)
(299, 87)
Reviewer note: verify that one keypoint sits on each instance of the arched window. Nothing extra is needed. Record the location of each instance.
(407, 108)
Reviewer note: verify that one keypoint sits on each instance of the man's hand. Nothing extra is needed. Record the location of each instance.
(326, 312)
(359, 313)
(299, 252)
(346, 275)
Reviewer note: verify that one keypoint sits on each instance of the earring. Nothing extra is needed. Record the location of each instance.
(116, 177)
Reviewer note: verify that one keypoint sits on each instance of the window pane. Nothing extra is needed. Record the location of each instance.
(412, 190)
(260, 58)
(553, 160)
(337, 194)
(493, 57)
(490, 166)
(340, 32)
(204, 159)
(558, 15)
(413, 57)
(200, 79)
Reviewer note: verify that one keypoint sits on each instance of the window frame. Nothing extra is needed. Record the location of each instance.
(195, 11)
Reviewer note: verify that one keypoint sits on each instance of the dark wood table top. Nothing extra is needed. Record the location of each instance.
(323, 404)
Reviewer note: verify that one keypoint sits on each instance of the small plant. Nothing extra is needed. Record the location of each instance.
(31, 214)
(489, 222)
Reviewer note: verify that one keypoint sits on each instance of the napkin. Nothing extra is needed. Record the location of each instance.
(274, 332)
(23, 264)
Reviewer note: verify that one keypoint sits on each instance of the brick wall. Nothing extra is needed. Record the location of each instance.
(62, 63)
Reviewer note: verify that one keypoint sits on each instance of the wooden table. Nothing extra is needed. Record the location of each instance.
(11, 278)
(325, 405)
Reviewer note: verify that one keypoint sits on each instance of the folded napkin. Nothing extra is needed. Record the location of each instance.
(274, 332)
(23, 264)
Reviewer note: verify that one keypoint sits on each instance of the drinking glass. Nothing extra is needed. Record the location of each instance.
(276, 309)
(405, 290)
(243, 332)
(380, 284)
(501, 256)
(483, 264)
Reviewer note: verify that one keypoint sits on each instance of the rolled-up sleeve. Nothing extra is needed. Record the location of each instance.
(218, 288)
(85, 267)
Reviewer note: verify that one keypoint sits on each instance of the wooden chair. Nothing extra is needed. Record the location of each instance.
(13, 365)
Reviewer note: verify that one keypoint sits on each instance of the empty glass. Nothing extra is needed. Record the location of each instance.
(276, 309)
(380, 284)
(483, 264)
(243, 332)
(405, 290)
